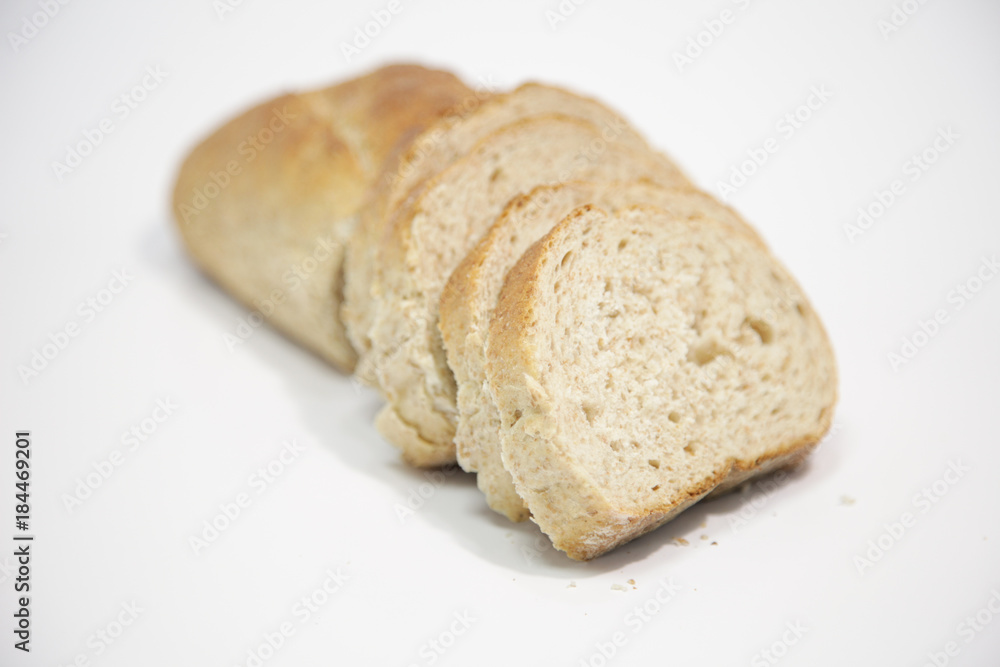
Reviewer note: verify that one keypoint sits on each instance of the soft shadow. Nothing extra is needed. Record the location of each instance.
(348, 432)
(533, 553)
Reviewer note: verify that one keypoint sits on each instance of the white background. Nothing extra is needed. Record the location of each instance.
(783, 557)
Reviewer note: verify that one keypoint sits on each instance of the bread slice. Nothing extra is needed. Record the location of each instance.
(433, 235)
(453, 137)
(474, 287)
(265, 204)
(640, 360)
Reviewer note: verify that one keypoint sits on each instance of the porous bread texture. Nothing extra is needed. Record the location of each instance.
(266, 203)
(640, 360)
(432, 236)
(403, 176)
(471, 295)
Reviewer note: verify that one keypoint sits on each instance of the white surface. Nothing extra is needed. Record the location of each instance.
(334, 506)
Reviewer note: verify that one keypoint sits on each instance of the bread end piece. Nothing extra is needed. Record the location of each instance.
(265, 204)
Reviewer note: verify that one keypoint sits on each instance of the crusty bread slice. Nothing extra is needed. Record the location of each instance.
(433, 235)
(265, 204)
(474, 287)
(452, 137)
(640, 360)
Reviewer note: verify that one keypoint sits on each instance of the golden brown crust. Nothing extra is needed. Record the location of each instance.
(265, 203)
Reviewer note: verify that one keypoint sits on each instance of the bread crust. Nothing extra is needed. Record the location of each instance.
(265, 204)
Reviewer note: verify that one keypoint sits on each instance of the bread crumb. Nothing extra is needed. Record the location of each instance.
(632, 581)
(681, 541)
(704, 524)
(704, 537)
(846, 500)
(571, 584)
(714, 544)
(619, 587)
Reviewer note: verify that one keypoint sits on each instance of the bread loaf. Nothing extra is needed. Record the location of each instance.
(534, 291)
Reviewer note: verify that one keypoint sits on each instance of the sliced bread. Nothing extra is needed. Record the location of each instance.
(437, 230)
(640, 360)
(474, 287)
(433, 150)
